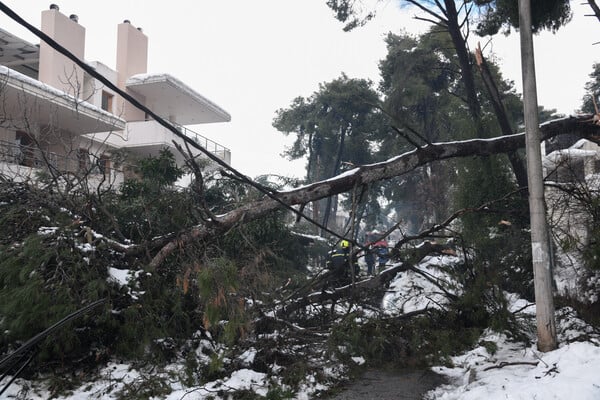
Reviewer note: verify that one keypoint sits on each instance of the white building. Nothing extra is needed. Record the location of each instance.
(572, 170)
(55, 117)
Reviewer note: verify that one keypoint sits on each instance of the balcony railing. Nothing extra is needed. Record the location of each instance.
(28, 156)
(210, 145)
(32, 157)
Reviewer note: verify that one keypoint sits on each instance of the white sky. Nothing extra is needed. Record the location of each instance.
(254, 57)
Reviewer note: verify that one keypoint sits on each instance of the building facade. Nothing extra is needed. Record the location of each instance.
(56, 119)
(571, 168)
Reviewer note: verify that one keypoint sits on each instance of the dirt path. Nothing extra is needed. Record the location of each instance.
(389, 385)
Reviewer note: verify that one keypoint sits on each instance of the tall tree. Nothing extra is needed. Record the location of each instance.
(455, 16)
(421, 82)
(417, 80)
(496, 15)
(592, 91)
(335, 126)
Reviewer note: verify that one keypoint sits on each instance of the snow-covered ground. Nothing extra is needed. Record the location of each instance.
(520, 372)
(497, 369)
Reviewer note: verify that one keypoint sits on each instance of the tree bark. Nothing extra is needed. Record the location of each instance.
(329, 208)
(595, 8)
(453, 26)
(517, 163)
(468, 77)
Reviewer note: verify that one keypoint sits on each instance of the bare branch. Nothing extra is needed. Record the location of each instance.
(428, 11)
(595, 8)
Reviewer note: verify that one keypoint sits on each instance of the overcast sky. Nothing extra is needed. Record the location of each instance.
(254, 57)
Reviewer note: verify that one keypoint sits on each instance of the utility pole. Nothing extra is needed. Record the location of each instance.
(540, 244)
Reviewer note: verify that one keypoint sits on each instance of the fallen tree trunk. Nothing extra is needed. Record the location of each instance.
(583, 126)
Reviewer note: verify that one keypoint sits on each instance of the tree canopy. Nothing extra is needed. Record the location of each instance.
(496, 15)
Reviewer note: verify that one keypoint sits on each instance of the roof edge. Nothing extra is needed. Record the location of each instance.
(148, 78)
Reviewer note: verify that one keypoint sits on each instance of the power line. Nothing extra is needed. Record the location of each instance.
(56, 46)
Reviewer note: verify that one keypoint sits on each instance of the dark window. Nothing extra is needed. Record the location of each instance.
(25, 151)
(107, 100)
(103, 164)
(83, 159)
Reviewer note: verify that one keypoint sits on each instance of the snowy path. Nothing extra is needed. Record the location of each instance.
(390, 385)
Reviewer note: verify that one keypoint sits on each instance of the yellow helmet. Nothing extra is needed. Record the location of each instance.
(344, 244)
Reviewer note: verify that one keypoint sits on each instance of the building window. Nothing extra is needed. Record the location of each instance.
(107, 101)
(24, 152)
(83, 159)
(103, 164)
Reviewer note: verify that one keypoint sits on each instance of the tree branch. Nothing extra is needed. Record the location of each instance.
(595, 8)
(516, 161)
(367, 174)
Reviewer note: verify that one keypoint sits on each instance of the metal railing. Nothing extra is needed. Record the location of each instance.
(210, 145)
(29, 156)
(32, 157)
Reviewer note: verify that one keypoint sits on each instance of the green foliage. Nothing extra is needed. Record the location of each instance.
(150, 206)
(163, 316)
(545, 14)
(417, 78)
(158, 172)
(481, 181)
(499, 238)
(224, 195)
(493, 15)
(375, 340)
(435, 339)
(149, 387)
(592, 91)
(332, 126)
(348, 12)
(217, 283)
(269, 240)
(224, 308)
(47, 278)
(591, 249)
(501, 263)
(215, 368)
(43, 281)
(414, 342)
(591, 252)
(278, 393)
(23, 212)
(296, 373)
(490, 347)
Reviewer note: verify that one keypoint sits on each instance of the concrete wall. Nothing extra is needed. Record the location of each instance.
(93, 88)
(55, 69)
(132, 59)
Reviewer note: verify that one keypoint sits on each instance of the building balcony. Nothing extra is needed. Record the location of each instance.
(30, 102)
(147, 138)
(22, 163)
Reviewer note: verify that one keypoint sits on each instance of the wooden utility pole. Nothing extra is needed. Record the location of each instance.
(540, 244)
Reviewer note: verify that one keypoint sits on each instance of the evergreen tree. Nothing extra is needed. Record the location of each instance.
(335, 128)
(417, 77)
(592, 91)
(495, 15)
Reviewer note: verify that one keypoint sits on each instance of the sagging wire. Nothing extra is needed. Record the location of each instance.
(56, 46)
(28, 348)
